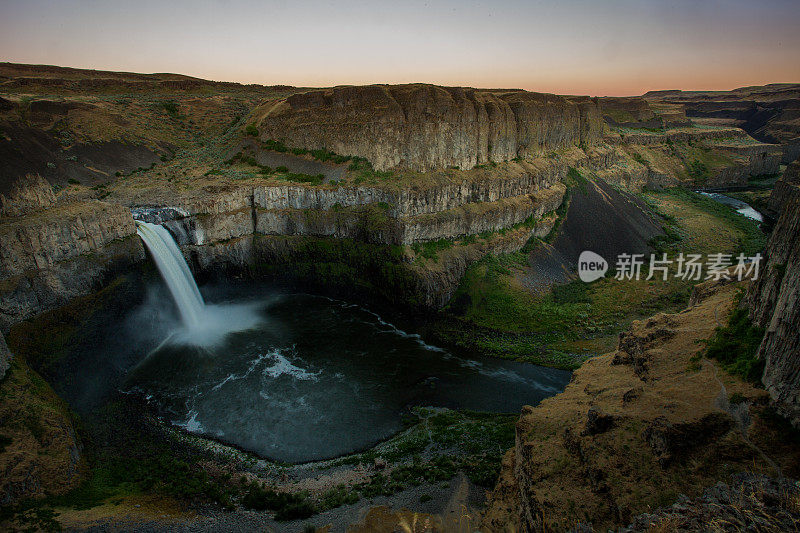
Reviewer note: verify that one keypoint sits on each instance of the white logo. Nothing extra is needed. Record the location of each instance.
(591, 266)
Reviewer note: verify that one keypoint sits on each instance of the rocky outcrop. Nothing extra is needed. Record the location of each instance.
(40, 453)
(628, 112)
(676, 135)
(769, 113)
(784, 187)
(748, 160)
(25, 195)
(418, 200)
(42, 240)
(427, 127)
(672, 115)
(748, 502)
(634, 429)
(697, 156)
(52, 256)
(774, 300)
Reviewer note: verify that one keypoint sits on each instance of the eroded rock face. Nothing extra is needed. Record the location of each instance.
(769, 113)
(782, 191)
(774, 300)
(53, 255)
(40, 241)
(25, 195)
(427, 127)
(5, 357)
(42, 454)
(628, 112)
(748, 502)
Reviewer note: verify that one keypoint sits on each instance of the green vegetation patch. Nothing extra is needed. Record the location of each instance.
(438, 444)
(430, 249)
(735, 346)
(749, 237)
(287, 506)
(493, 310)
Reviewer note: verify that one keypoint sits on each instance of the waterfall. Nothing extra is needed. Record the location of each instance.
(174, 270)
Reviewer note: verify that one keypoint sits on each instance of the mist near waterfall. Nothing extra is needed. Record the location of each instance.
(201, 324)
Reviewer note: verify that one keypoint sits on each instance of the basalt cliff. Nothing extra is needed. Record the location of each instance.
(425, 127)
(773, 298)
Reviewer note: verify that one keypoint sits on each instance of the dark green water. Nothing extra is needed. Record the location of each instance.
(313, 378)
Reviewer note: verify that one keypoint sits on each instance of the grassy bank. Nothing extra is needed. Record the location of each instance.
(493, 310)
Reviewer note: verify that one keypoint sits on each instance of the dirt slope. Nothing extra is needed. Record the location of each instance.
(637, 427)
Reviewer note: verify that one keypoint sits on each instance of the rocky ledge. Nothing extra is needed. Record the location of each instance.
(427, 127)
(59, 251)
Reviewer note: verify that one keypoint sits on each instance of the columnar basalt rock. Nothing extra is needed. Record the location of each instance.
(53, 255)
(784, 187)
(774, 300)
(426, 127)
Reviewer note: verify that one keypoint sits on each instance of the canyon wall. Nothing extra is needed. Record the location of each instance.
(426, 127)
(774, 299)
(58, 251)
(769, 113)
(369, 234)
(627, 112)
(24, 195)
(55, 254)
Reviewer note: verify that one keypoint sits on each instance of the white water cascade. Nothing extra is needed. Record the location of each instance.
(174, 271)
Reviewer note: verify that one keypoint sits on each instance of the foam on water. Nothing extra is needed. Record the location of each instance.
(283, 366)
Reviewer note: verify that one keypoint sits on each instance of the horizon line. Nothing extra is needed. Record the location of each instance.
(494, 88)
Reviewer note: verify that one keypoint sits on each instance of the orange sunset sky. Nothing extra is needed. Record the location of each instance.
(614, 47)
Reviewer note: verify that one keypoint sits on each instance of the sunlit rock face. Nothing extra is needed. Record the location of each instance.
(427, 127)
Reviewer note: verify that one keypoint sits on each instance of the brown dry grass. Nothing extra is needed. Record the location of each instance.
(615, 475)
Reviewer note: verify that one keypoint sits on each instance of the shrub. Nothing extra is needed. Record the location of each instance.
(575, 292)
(287, 506)
(339, 496)
(251, 130)
(430, 249)
(735, 347)
(275, 146)
(171, 107)
(698, 171)
(639, 159)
